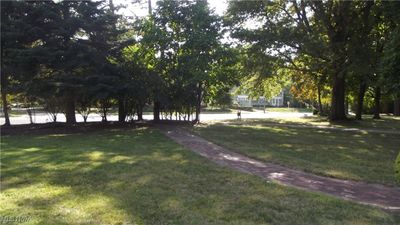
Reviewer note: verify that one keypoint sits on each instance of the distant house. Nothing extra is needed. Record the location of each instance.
(245, 101)
(277, 101)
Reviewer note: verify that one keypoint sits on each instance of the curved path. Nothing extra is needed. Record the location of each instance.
(371, 194)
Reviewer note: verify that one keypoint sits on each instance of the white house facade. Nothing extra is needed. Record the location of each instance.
(245, 101)
(277, 101)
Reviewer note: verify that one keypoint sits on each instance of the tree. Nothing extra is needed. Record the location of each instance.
(389, 64)
(186, 35)
(74, 47)
(364, 48)
(226, 71)
(52, 105)
(221, 98)
(84, 103)
(287, 30)
(391, 69)
(19, 46)
(136, 62)
(311, 89)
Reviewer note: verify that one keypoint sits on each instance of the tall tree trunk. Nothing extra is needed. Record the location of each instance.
(338, 98)
(396, 110)
(70, 111)
(29, 111)
(319, 101)
(140, 116)
(377, 103)
(150, 8)
(104, 117)
(140, 112)
(121, 110)
(360, 100)
(5, 106)
(156, 110)
(4, 82)
(198, 103)
(112, 8)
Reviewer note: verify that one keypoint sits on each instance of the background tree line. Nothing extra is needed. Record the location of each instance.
(72, 56)
(341, 50)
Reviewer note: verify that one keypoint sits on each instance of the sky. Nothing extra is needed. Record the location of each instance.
(131, 9)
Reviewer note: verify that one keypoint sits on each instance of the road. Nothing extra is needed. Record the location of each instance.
(259, 114)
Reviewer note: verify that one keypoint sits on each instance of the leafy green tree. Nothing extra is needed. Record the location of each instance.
(389, 64)
(225, 73)
(188, 43)
(222, 98)
(364, 48)
(288, 31)
(391, 69)
(136, 64)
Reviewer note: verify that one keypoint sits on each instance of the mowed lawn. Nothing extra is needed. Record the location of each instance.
(348, 155)
(141, 177)
(387, 123)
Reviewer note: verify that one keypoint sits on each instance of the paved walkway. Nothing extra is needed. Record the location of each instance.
(365, 193)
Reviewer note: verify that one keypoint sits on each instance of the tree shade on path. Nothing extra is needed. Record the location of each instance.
(365, 193)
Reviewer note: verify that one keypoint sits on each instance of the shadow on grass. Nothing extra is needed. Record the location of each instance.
(141, 177)
(346, 155)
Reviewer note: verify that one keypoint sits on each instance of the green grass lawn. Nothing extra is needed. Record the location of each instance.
(141, 177)
(349, 155)
(386, 122)
(286, 110)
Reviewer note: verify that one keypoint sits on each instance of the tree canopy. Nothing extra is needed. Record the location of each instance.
(72, 56)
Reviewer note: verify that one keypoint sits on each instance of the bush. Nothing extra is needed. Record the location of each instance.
(397, 169)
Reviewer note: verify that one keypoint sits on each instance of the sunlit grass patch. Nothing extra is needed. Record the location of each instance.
(389, 123)
(142, 177)
(348, 155)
